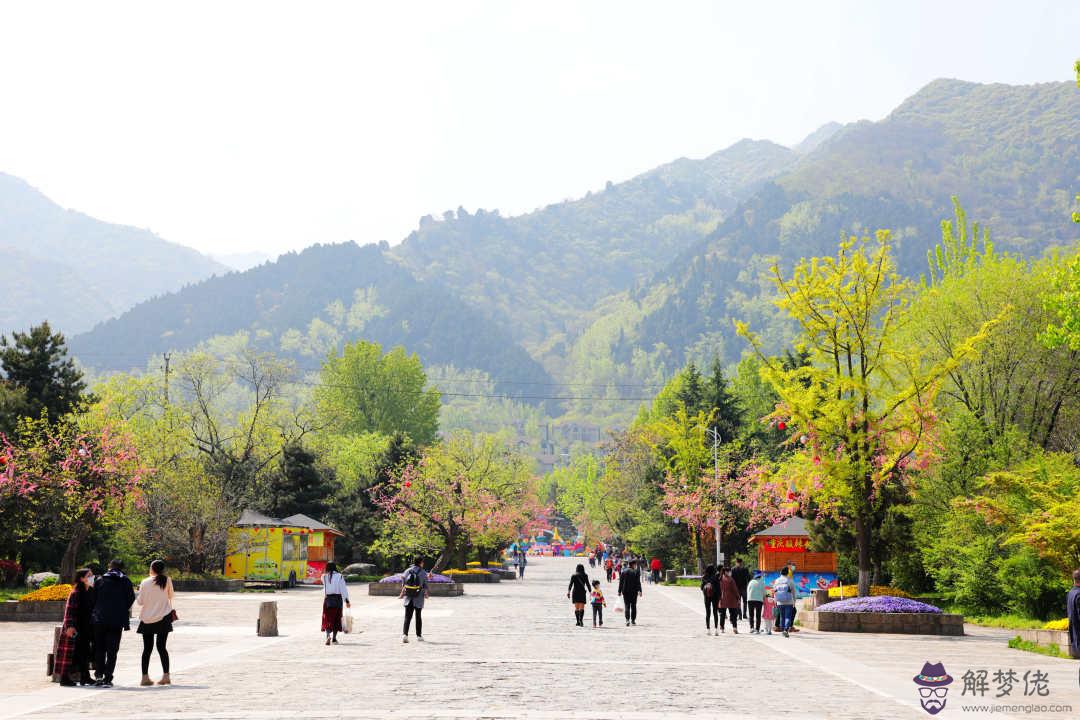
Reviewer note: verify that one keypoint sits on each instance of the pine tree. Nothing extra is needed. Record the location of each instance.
(692, 393)
(300, 486)
(727, 412)
(37, 362)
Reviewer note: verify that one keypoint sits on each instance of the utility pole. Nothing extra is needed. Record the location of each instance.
(166, 357)
(716, 470)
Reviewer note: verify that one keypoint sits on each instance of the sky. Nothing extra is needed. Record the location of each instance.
(266, 127)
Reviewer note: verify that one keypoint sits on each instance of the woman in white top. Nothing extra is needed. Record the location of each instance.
(155, 619)
(336, 595)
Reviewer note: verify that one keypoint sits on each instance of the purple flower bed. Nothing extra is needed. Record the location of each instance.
(431, 578)
(879, 604)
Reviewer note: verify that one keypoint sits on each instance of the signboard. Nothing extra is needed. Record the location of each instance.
(785, 544)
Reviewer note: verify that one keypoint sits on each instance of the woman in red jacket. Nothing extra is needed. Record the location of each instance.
(730, 600)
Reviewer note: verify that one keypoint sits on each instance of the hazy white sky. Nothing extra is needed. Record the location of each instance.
(234, 126)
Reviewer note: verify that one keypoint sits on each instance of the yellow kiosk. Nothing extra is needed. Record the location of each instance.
(285, 552)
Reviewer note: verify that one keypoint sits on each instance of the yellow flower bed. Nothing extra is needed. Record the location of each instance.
(473, 564)
(53, 592)
(1062, 624)
(850, 591)
(469, 571)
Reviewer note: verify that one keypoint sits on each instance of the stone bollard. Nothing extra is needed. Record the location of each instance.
(267, 623)
(670, 576)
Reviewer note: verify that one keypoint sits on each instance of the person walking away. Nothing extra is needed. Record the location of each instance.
(755, 599)
(73, 650)
(598, 603)
(609, 567)
(741, 575)
(335, 600)
(710, 592)
(768, 609)
(592, 560)
(630, 589)
(578, 592)
(655, 566)
(730, 600)
(784, 592)
(1072, 601)
(522, 562)
(155, 620)
(414, 590)
(114, 596)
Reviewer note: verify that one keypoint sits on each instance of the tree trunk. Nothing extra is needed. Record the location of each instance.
(862, 545)
(71, 554)
(696, 546)
(483, 556)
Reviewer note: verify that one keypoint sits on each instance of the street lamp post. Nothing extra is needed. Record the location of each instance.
(716, 470)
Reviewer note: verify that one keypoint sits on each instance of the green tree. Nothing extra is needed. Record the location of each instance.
(300, 485)
(864, 401)
(725, 408)
(365, 390)
(37, 363)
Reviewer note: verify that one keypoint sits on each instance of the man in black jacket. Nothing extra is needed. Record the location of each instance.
(630, 589)
(114, 596)
(741, 576)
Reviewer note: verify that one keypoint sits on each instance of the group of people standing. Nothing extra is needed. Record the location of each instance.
(732, 592)
(582, 590)
(97, 614)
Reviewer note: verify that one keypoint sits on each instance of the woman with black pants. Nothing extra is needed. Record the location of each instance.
(155, 620)
(710, 591)
(578, 592)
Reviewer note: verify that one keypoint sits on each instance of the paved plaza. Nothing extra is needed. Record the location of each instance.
(511, 650)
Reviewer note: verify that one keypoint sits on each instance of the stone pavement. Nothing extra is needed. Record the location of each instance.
(512, 650)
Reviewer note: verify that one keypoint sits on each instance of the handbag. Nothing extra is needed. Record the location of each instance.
(347, 622)
(173, 617)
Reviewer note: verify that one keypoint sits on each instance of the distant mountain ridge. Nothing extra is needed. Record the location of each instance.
(73, 270)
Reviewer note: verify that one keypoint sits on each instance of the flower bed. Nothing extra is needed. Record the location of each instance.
(1062, 624)
(879, 604)
(439, 589)
(849, 591)
(50, 592)
(400, 577)
(882, 614)
(473, 576)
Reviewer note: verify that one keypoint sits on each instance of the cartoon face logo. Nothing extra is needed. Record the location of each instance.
(933, 684)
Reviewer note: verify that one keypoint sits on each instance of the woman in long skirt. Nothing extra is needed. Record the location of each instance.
(335, 598)
(73, 650)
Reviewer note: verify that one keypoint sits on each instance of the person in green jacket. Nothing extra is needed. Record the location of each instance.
(755, 598)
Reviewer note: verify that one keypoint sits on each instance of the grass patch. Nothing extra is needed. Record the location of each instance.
(684, 582)
(1018, 643)
(12, 593)
(1008, 622)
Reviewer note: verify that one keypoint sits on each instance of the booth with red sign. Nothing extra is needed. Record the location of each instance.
(787, 544)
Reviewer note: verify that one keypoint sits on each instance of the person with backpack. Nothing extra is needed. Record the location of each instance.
(784, 593)
(114, 596)
(630, 589)
(414, 590)
(522, 562)
(654, 566)
(710, 592)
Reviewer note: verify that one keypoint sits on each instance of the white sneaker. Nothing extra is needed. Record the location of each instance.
(419, 638)
(404, 638)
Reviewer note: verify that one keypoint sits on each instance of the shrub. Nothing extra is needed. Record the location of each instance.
(52, 591)
(850, 591)
(47, 582)
(9, 572)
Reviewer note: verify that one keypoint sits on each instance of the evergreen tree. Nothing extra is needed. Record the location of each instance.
(727, 411)
(300, 485)
(692, 392)
(37, 362)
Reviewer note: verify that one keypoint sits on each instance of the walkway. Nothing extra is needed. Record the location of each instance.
(512, 650)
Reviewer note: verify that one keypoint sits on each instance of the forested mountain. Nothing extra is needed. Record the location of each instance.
(72, 270)
(545, 271)
(1010, 154)
(306, 304)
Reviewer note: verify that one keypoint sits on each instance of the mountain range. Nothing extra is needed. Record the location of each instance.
(621, 287)
(74, 271)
